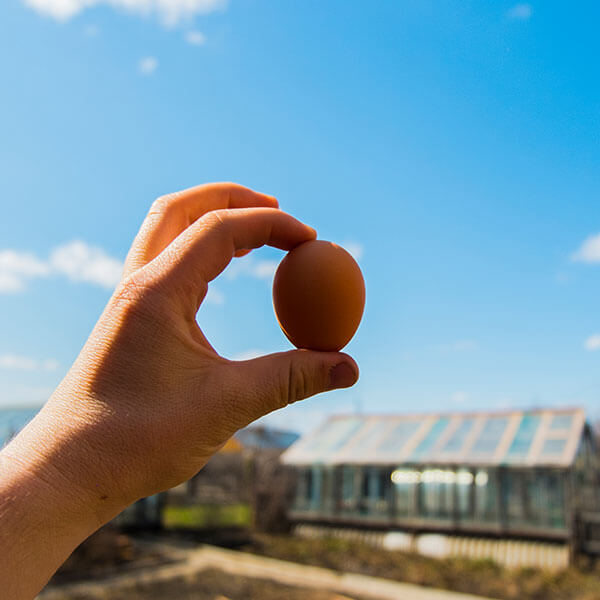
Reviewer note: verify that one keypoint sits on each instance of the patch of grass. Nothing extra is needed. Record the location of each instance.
(480, 577)
(207, 516)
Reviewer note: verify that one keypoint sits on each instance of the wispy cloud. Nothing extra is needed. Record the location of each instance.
(520, 12)
(79, 262)
(16, 268)
(589, 251)
(592, 343)
(148, 65)
(355, 248)
(14, 362)
(214, 296)
(465, 345)
(250, 267)
(249, 354)
(23, 396)
(169, 12)
(195, 38)
(75, 261)
(459, 398)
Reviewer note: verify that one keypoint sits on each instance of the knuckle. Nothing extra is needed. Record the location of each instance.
(218, 218)
(139, 291)
(218, 221)
(131, 289)
(296, 384)
(164, 204)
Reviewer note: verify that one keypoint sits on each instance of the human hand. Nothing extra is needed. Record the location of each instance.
(148, 401)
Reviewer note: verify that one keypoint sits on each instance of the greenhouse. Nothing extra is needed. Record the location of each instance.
(523, 473)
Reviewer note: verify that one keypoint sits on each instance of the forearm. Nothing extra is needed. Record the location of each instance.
(44, 512)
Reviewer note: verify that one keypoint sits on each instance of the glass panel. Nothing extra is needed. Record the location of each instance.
(347, 483)
(405, 483)
(561, 422)
(378, 484)
(367, 441)
(513, 492)
(430, 439)
(556, 501)
(486, 501)
(315, 486)
(304, 492)
(384, 484)
(554, 447)
(327, 490)
(395, 441)
(540, 498)
(374, 483)
(490, 436)
(457, 439)
(437, 493)
(464, 485)
(334, 436)
(428, 495)
(522, 441)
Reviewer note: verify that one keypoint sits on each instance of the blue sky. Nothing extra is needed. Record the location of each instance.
(453, 146)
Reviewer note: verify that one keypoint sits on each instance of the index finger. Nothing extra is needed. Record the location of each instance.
(173, 213)
(205, 248)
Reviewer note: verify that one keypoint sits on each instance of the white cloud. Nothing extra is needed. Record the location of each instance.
(195, 38)
(459, 398)
(170, 12)
(520, 12)
(264, 269)
(9, 283)
(357, 250)
(14, 362)
(148, 65)
(50, 364)
(249, 354)
(214, 296)
(249, 267)
(17, 267)
(592, 343)
(80, 262)
(77, 261)
(589, 251)
(23, 396)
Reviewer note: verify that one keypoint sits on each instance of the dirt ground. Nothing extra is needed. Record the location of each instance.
(110, 552)
(208, 585)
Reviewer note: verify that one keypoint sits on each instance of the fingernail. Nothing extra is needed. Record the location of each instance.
(342, 375)
(313, 230)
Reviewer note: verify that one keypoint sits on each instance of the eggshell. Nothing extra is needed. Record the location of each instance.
(319, 296)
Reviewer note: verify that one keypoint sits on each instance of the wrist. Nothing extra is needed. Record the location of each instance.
(53, 459)
(43, 519)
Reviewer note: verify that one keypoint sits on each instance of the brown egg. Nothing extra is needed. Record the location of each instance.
(319, 296)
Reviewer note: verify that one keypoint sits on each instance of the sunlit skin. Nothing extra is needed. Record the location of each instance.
(148, 400)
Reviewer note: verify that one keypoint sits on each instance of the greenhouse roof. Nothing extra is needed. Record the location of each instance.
(521, 438)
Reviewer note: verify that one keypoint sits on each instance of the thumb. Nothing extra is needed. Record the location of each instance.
(270, 382)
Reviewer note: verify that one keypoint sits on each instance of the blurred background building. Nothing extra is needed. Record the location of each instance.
(521, 475)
